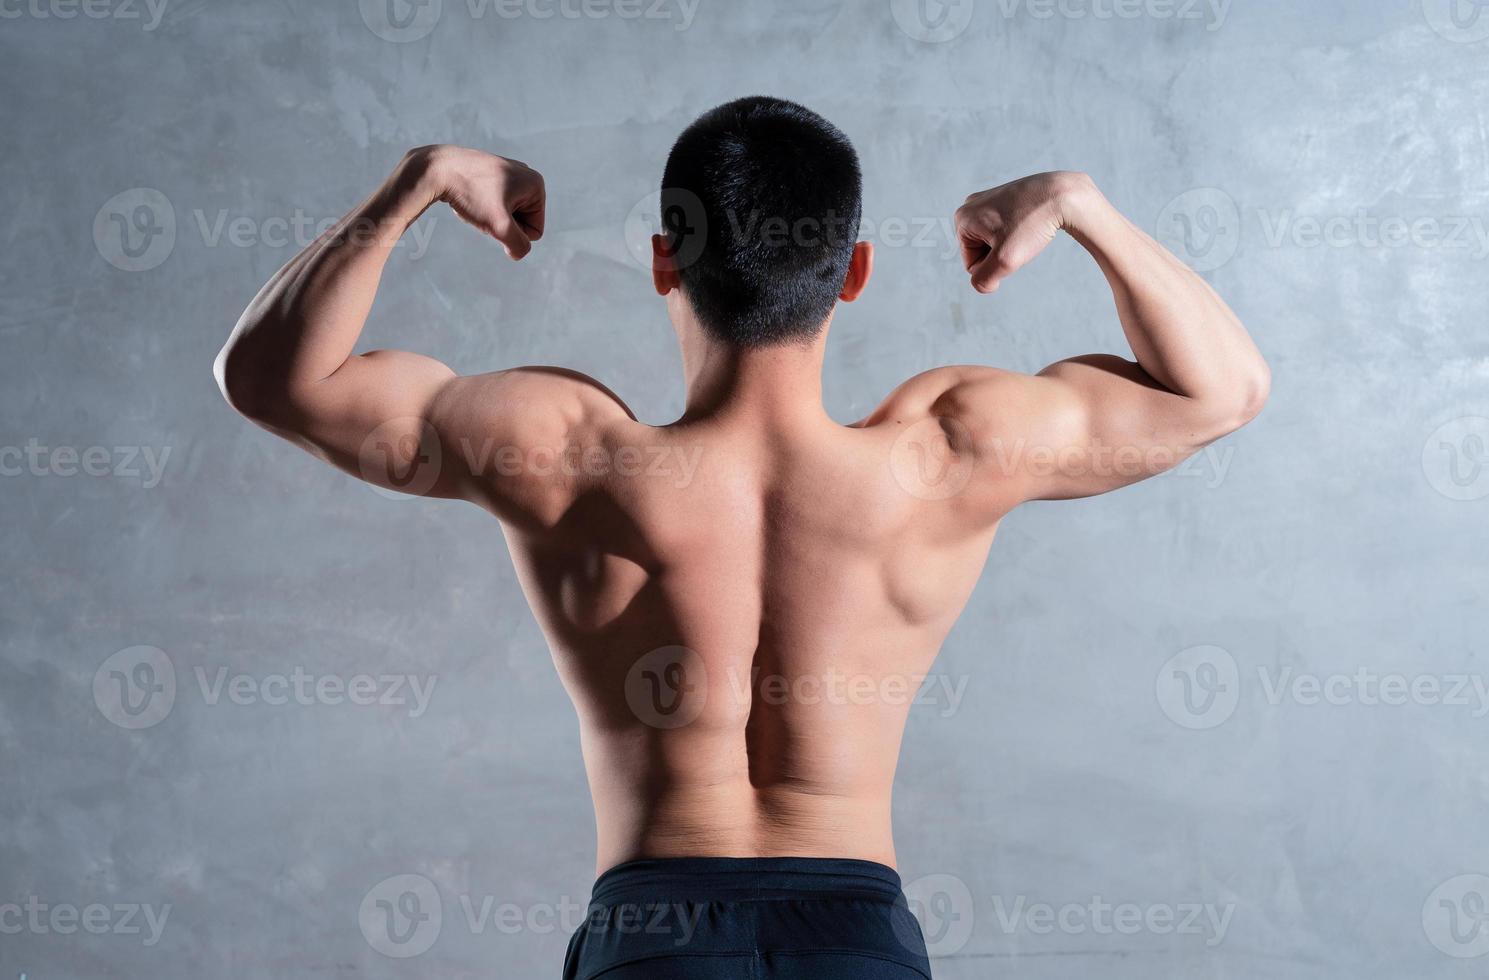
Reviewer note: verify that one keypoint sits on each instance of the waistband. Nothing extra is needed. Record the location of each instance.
(725, 879)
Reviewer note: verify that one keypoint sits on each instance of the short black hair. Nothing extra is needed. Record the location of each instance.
(761, 201)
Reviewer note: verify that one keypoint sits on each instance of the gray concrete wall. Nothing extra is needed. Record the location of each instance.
(1140, 724)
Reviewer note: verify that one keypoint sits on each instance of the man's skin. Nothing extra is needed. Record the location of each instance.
(794, 576)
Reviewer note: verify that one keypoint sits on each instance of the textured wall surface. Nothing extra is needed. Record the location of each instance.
(1231, 723)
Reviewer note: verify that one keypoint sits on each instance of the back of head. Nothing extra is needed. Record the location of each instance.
(761, 200)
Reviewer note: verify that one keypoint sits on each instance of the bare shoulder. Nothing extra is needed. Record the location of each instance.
(571, 395)
(531, 406)
(962, 434)
(515, 432)
(980, 400)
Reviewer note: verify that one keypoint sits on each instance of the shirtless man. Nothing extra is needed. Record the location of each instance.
(737, 601)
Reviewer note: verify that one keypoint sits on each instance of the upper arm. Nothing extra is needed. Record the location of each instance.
(1083, 426)
(1080, 427)
(407, 422)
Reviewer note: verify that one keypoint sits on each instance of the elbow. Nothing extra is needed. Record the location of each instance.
(1248, 397)
(1256, 388)
(242, 387)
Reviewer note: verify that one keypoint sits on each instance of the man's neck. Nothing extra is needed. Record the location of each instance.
(781, 383)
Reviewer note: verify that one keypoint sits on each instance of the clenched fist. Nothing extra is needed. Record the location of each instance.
(503, 198)
(1001, 229)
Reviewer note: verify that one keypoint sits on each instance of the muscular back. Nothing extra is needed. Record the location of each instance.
(743, 614)
(742, 604)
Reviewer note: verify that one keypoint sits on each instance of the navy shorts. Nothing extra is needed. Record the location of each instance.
(748, 919)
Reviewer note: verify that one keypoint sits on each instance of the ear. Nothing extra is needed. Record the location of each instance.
(663, 269)
(860, 268)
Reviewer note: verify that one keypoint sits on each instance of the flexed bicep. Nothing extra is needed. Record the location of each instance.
(377, 418)
(1081, 427)
(1091, 424)
(395, 419)
(1100, 423)
(506, 440)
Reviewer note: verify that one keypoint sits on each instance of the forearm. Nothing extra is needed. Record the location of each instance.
(1182, 333)
(304, 323)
